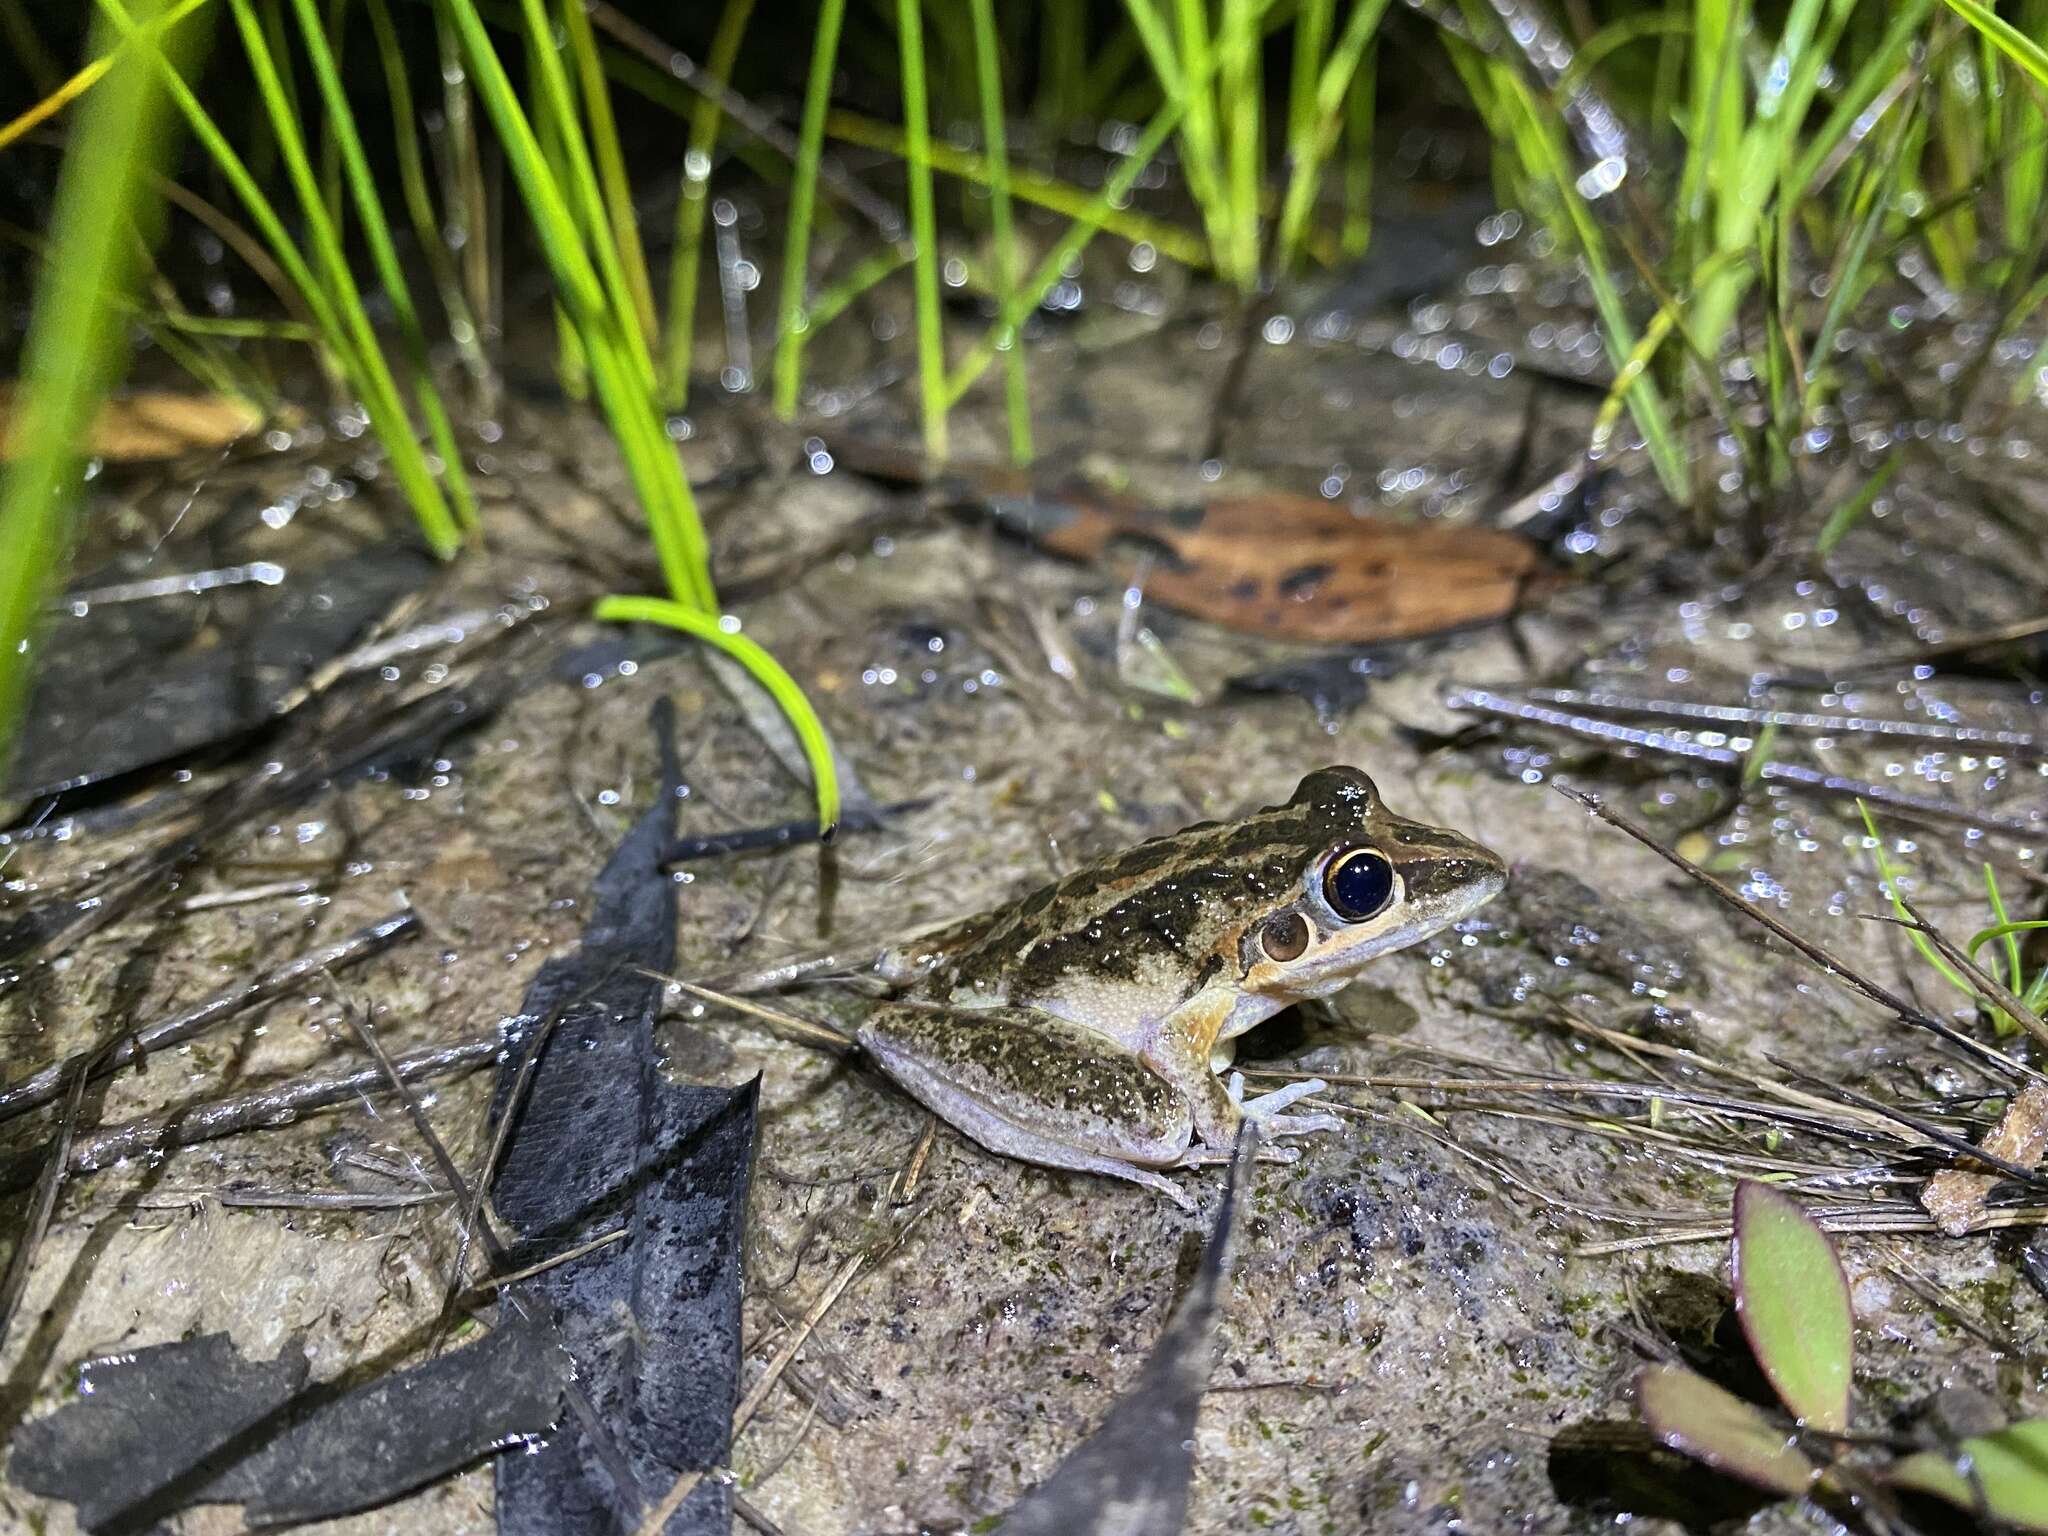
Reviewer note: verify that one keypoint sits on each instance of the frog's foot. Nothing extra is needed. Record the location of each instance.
(1266, 1110)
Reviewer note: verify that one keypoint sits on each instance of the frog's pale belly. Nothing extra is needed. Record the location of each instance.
(1078, 1026)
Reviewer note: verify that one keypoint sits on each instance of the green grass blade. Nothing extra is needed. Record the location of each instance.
(832, 299)
(924, 230)
(1850, 512)
(362, 184)
(1890, 874)
(580, 191)
(1539, 146)
(372, 375)
(796, 251)
(761, 666)
(615, 187)
(2015, 965)
(2029, 54)
(1241, 82)
(366, 375)
(1050, 267)
(1170, 240)
(615, 348)
(692, 201)
(1009, 270)
(90, 74)
(1311, 141)
(419, 200)
(76, 341)
(1360, 107)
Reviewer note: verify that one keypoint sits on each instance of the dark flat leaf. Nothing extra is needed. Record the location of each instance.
(602, 1141)
(1793, 1300)
(365, 1447)
(150, 1421)
(194, 1423)
(1130, 1478)
(1691, 1414)
(2004, 1475)
(113, 696)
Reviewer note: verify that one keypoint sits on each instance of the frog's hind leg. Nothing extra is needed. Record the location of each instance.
(1030, 1086)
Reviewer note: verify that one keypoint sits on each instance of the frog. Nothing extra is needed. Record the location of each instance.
(1087, 1025)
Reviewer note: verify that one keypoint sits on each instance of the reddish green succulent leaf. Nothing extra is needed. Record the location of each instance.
(1793, 1300)
(2007, 1475)
(1710, 1424)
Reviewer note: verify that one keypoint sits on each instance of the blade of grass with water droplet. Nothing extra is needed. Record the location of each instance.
(765, 670)
(803, 196)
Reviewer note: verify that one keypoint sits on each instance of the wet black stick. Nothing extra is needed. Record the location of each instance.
(40, 1088)
(44, 1204)
(1962, 1147)
(473, 1199)
(1878, 994)
(788, 834)
(395, 1080)
(261, 1109)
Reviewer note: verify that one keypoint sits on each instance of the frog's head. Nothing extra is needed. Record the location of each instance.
(1373, 882)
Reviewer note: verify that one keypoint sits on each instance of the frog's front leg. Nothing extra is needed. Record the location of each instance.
(1185, 1051)
(1033, 1086)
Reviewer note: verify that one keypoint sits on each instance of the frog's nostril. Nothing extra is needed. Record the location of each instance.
(1456, 875)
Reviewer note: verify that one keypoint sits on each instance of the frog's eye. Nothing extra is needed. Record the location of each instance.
(1359, 884)
(1285, 937)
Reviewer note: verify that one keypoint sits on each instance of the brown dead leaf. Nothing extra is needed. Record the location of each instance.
(151, 425)
(1290, 567)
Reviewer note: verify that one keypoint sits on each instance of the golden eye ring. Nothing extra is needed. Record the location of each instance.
(1285, 937)
(1359, 884)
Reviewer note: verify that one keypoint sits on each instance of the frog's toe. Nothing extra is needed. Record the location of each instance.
(1266, 1109)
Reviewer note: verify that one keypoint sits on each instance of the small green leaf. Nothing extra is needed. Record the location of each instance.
(1711, 1424)
(2003, 1475)
(1845, 516)
(1793, 1300)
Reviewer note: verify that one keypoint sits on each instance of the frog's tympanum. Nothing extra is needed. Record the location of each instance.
(1084, 1026)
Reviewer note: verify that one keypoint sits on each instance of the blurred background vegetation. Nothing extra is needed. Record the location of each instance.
(352, 186)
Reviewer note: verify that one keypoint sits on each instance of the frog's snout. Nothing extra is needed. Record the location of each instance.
(1456, 877)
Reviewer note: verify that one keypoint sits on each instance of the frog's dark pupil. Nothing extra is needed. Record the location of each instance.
(1359, 884)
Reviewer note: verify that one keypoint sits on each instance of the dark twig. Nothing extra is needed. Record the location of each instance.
(44, 1204)
(235, 1198)
(359, 1019)
(1961, 1146)
(1884, 997)
(261, 1109)
(578, 1399)
(1680, 744)
(41, 1087)
(1924, 655)
(472, 1205)
(1994, 989)
(786, 834)
(671, 61)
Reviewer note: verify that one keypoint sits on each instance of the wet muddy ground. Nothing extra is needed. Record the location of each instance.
(1413, 1320)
